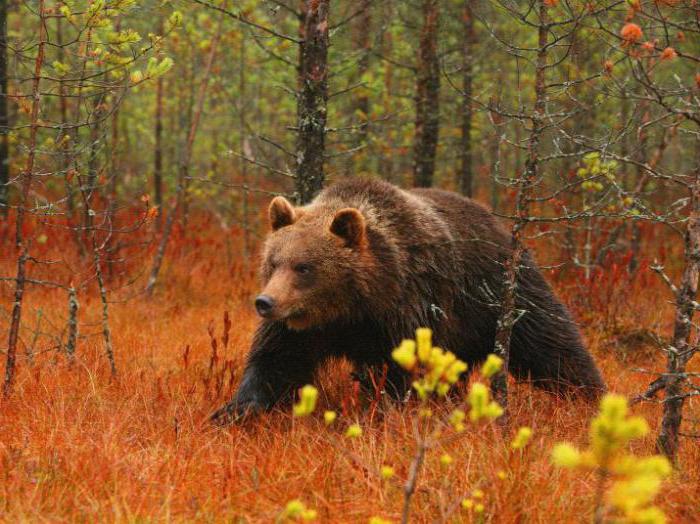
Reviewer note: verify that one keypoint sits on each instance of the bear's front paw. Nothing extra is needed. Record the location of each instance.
(235, 412)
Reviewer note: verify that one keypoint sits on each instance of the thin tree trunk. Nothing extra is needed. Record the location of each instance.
(466, 181)
(158, 150)
(16, 318)
(312, 100)
(26, 182)
(106, 332)
(243, 132)
(113, 185)
(364, 22)
(508, 315)
(72, 337)
(427, 127)
(642, 140)
(184, 165)
(4, 120)
(680, 351)
(66, 146)
(158, 153)
(92, 164)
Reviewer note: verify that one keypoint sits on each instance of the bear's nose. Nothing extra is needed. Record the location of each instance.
(264, 305)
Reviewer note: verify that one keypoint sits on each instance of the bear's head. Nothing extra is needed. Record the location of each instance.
(313, 264)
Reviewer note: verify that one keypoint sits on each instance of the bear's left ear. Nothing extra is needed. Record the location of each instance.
(349, 224)
(281, 213)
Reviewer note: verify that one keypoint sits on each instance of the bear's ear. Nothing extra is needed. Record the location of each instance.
(349, 224)
(281, 213)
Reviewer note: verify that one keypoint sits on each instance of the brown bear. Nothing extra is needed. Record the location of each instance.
(366, 263)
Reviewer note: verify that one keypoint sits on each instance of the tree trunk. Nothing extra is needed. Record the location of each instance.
(364, 22)
(680, 351)
(158, 153)
(243, 134)
(525, 182)
(26, 182)
(466, 173)
(312, 100)
(427, 98)
(4, 120)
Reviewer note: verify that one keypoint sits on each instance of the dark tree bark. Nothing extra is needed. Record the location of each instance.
(466, 181)
(364, 23)
(509, 315)
(26, 182)
(158, 152)
(427, 98)
(681, 350)
(243, 135)
(312, 100)
(4, 121)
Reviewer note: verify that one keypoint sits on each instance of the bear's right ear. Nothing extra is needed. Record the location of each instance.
(281, 213)
(349, 224)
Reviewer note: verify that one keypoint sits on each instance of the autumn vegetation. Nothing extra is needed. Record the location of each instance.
(140, 143)
(78, 444)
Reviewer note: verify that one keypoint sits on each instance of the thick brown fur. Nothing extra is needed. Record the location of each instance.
(366, 263)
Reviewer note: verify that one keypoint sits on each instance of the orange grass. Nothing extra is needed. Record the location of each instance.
(76, 445)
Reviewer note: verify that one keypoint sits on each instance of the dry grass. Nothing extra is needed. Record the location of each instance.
(76, 445)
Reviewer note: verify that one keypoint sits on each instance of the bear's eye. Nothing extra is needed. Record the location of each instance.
(303, 269)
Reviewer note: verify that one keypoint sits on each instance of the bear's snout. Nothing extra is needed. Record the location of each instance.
(264, 305)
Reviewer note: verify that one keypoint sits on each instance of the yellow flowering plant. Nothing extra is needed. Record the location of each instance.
(296, 511)
(635, 480)
(434, 372)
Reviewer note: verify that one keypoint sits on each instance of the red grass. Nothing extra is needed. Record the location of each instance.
(77, 445)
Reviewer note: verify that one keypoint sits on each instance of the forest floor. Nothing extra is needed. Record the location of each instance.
(79, 445)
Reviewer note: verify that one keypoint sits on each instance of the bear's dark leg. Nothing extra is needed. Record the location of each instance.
(546, 346)
(280, 361)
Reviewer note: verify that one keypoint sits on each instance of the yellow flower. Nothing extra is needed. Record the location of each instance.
(329, 417)
(637, 480)
(296, 509)
(501, 475)
(521, 438)
(405, 355)
(467, 504)
(481, 406)
(307, 401)
(492, 366)
(454, 371)
(633, 494)
(655, 465)
(479, 508)
(387, 472)
(456, 420)
(446, 460)
(353, 431)
(630, 465)
(378, 520)
(566, 456)
(650, 515)
(425, 345)
(478, 494)
(612, 429)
